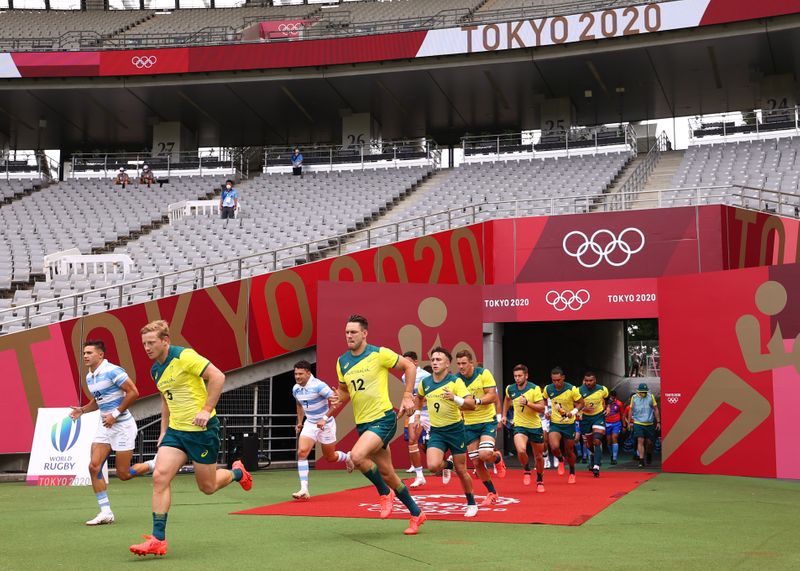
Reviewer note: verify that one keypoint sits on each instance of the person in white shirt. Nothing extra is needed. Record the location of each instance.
(417, 432)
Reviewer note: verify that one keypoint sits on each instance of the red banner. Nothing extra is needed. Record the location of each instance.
(571, 301)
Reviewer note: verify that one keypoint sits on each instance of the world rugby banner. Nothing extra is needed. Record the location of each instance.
(61, 448)
(514, 34)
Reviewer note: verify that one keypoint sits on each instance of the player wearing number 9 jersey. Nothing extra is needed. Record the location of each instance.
(447, 395)
(363, 373)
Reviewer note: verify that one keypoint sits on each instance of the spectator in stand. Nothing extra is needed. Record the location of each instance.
(228, 201)
(297, 162)
(147, 177)
(122, 178)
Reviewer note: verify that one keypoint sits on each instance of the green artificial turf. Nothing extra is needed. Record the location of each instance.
(671, 522)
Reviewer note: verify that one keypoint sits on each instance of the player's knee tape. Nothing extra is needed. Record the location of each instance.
(473, 455)
(486, 446)
(413, 449)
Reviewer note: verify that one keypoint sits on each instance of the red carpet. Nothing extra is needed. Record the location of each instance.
(561, 504)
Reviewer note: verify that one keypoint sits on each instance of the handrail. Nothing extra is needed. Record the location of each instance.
(160, 163)
(577, 138)
(201, 276)
(638, 178)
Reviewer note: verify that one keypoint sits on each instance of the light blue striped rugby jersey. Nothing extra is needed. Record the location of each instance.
(314, 398)
(105, 384)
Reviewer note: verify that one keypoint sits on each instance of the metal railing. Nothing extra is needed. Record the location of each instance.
(328, 156)
(748, 124)
(28, 164)
(578, 139)
(638, 178)
(224, 160)
(333, 24)
(136, 291)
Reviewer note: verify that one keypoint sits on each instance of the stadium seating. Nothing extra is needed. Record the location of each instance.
(760, 165)
(277, 211)
(30, 25)
(491, 182)
(82, 214)
(186, 21)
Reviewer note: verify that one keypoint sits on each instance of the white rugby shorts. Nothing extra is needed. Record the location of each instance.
(121, 436)
(326, 435)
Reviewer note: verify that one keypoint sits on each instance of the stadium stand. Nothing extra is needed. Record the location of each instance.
(277, 211)
(232, 19)
(86, 215)
(36, 29)
(769, 164)
(475, 192)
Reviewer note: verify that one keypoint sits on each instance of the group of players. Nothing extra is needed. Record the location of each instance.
(458, 415)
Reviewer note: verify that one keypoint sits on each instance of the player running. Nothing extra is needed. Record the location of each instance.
(446, 396)
(363, 373)
(189, 427)
(566, 403)
(481, 424)
(313, 397)
(114, 393)
(527, 400)
(593, 419)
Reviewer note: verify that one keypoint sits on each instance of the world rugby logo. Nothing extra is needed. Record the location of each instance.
(144, 62)
(64, 434)
(447, 504)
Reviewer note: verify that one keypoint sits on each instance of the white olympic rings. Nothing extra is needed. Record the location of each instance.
(290, 28)
(567, 299)
(590, 245)
(673, 399)
(144, 62)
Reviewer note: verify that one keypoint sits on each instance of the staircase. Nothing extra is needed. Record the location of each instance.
(659, 179)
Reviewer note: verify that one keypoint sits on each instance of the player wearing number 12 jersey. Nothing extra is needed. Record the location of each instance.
(363, 373)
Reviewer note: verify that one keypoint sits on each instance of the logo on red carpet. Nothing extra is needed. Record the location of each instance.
(446, 504)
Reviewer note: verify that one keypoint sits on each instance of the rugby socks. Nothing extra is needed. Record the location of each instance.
(302, 470)
(539, 477)
(470, 499)
(419, 473)
(375, 477)
(614, 451)
(490, 486)
(102, 499)
(160, 526)
(404, 496)
(341, 456)
(598, 454)
(572, 469)
(133, 471)
(237, 474)
(448, 465)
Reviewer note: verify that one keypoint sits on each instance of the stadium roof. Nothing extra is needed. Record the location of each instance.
(660, 75)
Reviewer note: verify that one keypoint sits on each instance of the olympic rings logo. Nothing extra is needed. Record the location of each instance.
(144, 62)
(590, 247)
(290, 27)
(567, 299)
(673, 398)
